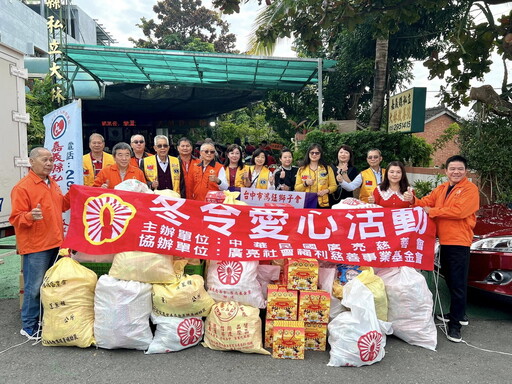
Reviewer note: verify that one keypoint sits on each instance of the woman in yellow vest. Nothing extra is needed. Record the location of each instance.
(258, 175)
(234, 166)
(316, 176)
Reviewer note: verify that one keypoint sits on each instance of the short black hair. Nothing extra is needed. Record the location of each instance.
(459, 158)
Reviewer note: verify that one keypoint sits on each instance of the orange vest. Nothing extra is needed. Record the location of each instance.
(369, 183)
(201, 181)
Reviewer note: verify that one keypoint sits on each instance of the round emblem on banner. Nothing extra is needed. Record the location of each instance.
(230, 272)
(369, 345)
(59, 126)
(190, 331)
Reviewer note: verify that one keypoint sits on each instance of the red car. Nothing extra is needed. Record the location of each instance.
(490, 266)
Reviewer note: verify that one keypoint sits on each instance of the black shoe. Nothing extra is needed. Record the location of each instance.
(446, 318)
(454, 335)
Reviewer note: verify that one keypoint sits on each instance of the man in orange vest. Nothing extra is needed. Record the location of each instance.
(208, 175)
(368, 179)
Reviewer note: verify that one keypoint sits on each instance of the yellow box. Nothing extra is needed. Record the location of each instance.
(314, 306)
(269, 326)
(288, 340)
(316, 336)
(282, 304)
(302, 274)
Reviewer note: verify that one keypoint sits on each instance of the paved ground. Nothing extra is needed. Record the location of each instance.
(490, 329)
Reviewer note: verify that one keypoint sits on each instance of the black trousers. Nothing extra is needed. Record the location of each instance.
(454, 267)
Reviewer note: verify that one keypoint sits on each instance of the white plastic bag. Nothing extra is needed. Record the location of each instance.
(133, 185)
(410, 306)
(122, 310)
(267, 274)
(235, 281)
(357, 337)
(174, 333)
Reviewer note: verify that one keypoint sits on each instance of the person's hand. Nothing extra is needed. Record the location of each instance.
(105, 184)
(271, 179)
(284, 187)
(154, 184)
(322, 192)
(408, 195)
(371, 199)
(426, 209)
(339, 177)
(213, 179)
(37, 213)
(282, 174)
(310, 181)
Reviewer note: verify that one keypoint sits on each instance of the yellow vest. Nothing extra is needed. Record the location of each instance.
(324, 179)
(239, 183)
(369, 183)
(262, 181)
(151, 170)
(107, 160)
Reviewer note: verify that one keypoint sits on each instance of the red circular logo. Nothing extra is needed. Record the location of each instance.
(190, 331)
(59, 126)
(369, 345)
(230, 272)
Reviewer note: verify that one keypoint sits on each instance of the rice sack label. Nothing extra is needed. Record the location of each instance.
(67, 297)
(231, 280)
(232, 326)
(175, 334)
(288, 340)
(184, 298)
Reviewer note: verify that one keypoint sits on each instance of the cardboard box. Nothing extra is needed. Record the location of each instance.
(282, 304)
(269, 327)
(314, 306)
(302, 274)
(288, 340)
(316, 336)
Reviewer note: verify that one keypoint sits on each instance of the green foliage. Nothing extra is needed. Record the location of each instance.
(39, 103)
(487, 145)
(448, 135)
(185, 25)
(424, 187)
(407, 148)
(247, 124)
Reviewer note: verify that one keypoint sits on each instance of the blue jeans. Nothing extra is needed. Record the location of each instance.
(35, 266)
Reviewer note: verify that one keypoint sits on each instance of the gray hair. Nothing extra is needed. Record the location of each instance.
(208, 144)
(373, 150)
(96, 135)
(120, 146)
(161, 137)
(137, 134)
(184, 139)
(36, 152)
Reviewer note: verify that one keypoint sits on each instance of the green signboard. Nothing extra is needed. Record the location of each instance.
(407, 111)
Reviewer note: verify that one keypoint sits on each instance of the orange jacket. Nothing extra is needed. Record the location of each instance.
(41, 235)
(188, 176)
(454, 215)
(111, 173)
(201, 183)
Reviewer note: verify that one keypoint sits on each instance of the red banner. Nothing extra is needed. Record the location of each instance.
(110, 221)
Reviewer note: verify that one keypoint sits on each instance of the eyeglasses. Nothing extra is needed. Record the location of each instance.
(373, 157)
(209, 152)
(314, 153)
(162, 145)
(138, 141)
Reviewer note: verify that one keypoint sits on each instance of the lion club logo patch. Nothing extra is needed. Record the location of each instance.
(370, 345)
(230, 272)
(106, 218)
(59, 126)
(190, 331)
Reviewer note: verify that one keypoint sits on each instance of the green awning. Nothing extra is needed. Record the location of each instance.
(112, 65)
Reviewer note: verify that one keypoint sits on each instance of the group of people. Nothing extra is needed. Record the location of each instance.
(38, 203)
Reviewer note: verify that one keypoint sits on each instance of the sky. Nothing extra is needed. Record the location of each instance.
(119, 17)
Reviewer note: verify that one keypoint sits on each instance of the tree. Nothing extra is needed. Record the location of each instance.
(39, 103)
(317, 25)
(185, 25)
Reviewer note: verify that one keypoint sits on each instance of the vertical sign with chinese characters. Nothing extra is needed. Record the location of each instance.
(56, 39)
(63, 137)
(407, 111)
